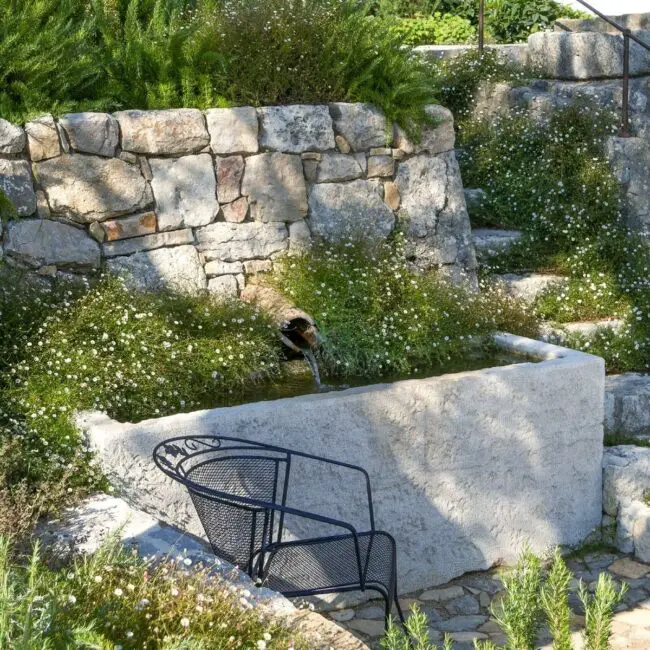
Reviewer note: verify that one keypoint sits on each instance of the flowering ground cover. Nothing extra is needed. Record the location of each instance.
(551, 179)
(115, 600)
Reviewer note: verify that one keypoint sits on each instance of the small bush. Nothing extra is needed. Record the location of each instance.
(132, 355)
(114, 599)
(437, 29)
(378, 316)
(512, 21)
(531, 598)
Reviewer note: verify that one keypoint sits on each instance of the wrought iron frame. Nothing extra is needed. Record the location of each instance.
(176, 456)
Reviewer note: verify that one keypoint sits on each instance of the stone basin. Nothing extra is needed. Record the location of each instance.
(465, 467)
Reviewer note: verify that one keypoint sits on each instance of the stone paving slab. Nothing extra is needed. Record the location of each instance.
(461, 608)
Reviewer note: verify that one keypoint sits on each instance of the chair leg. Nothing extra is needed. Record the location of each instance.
(399, 608)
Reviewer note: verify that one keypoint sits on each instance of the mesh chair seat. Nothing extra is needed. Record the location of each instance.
(239, 489)
(300, 567)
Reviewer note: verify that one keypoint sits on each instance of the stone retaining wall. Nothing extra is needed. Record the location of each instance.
(195, 200)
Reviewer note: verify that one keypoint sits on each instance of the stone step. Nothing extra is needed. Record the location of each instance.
(515, 54)
(633, 22)
(528, 285)
(627, 404)
(557, 332)
(488, 241)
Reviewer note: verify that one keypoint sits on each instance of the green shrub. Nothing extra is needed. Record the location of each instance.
(531, 597)
(132, 355)
(48, 60)
(377, 316)
(114, 599)
(512, 21)
(113, 54)
(440, 29)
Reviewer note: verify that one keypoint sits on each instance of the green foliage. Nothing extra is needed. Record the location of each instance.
(555, 603)
(155, 54)
(131, 355)
(599, 611)
(458, 80)
(440, 29)
(56, 55)
(7, 208)
(48, 60)
(511, 21)
(415, 637)
(520, 613)
(378, 316)
(532, 597)
(114, 599)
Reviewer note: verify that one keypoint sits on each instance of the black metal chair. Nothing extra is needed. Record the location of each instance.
(239, 489)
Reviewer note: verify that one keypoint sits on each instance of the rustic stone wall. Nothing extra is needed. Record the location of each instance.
(195, 200)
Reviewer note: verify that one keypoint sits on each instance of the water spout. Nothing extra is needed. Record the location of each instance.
(313, 366)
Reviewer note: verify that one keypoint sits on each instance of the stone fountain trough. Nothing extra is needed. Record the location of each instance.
(465, 467)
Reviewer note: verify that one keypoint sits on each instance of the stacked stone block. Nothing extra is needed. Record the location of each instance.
(196, 201)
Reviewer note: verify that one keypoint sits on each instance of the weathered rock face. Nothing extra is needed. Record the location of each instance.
(16, 183)
(12, 138)
(335, 168)
(275, 187)
(185, 190)
(354, 209)
(40, 242)
(233, 130)
(586, 55)
(42, 138)
(177, 269)
(295, 129)
(433, 210)
(89, 188)
(95, 133)
(238, 185)
(230, 242)
(362, 125)
(170, 132)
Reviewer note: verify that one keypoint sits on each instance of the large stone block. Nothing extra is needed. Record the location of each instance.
(40, 242)
(185, 190)
(363, 126)
(433, 210)
(355, 209)
(229, 174)
(43, 138)
(136, 225)
(95, 133)
(170, 132)
(233, 130)
(12, 138)
(335, 168)
(176, 269)
(90, 188)
(16, 182)
(295, 129)
(275, 187)
(229, 242)
(586, 55)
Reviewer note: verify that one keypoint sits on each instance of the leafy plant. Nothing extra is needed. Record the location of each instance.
(379, 316)
(48, 60)
(511, 21)
(434, 29)
(114, 598)
(532, 597)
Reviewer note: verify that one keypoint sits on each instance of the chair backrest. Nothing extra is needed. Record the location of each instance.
(218, 471)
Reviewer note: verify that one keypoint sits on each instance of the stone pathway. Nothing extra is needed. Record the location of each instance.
(461, 608)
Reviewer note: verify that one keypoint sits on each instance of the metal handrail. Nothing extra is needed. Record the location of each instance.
(627, 37)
